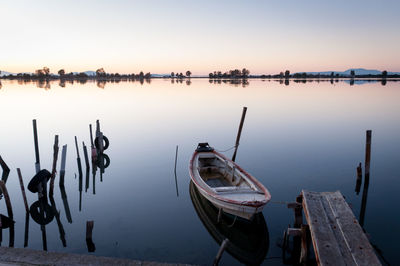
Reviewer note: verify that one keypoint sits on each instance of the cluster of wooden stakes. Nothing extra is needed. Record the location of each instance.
(41, 211)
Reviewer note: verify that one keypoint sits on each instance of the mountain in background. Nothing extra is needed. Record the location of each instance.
(357, 71)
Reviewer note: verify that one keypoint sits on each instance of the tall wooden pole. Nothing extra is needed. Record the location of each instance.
(35, 138)
(239, 132)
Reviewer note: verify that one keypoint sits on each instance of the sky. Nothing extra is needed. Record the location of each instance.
(266, 37)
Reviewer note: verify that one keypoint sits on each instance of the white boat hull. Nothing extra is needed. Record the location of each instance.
(226, 185)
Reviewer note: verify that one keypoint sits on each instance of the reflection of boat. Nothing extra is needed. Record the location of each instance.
(248, 240)
(226, 184)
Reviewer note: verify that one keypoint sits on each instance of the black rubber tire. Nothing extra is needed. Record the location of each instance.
(106, 143)
(37, 179)
(105, 158)
(6, 222)
(34, 210)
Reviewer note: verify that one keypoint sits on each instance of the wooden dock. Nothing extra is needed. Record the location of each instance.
(336, 235)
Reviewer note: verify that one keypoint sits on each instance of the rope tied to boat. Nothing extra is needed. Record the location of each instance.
(227, 149)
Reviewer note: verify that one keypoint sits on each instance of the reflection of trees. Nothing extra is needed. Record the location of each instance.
(62, 83)
(188, 82)
(101, 84)
(43, 84)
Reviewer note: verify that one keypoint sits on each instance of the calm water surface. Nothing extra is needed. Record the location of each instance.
(302, 136)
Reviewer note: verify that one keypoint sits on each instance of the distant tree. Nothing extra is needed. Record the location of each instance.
(219, 73)
(384, 73)
(245, 72)
(210, 75)
(39, 72)
(352, 73)
(287, 73)
(141, 75)
(188, 73)
(281, 75)
(181, 75)
(46, 71)
(172, 74)
(61, 72)
(332, 73)
(147, 76)
(100, 72)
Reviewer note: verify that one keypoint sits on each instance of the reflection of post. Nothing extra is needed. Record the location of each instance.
(80, 191)
(220, 251)
(89, 240)
(63, 159)
(66, 206)
(53, 172)
(239, 132)
(26, 230)
(366, 177)
(176, 178)
(78, 158)
(60, 226)
(359, 178)
(35, 137)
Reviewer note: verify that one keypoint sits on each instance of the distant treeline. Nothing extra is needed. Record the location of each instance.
(100, 74)
(332, 75)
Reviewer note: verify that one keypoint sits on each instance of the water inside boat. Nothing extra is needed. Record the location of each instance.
(222, 175)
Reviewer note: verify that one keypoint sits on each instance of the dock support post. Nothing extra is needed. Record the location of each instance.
(239, 132)
(21, 182)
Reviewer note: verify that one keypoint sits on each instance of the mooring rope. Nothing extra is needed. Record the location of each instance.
(226, 150)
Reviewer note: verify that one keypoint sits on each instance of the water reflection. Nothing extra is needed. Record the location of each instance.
(248, 240)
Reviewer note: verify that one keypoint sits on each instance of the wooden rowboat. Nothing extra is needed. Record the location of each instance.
(225, 184)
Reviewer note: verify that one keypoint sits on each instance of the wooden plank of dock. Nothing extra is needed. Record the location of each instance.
(337, 237)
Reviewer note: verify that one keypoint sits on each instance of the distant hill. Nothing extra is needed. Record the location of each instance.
(4, 73)
(357, 71)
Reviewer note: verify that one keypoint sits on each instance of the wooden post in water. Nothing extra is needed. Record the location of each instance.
(35, 138)
(53, 171)
(21, 182)
(366, 177)
(94, 151)
(4, 165)
(239, 132)
(220, 251)
(62, 170)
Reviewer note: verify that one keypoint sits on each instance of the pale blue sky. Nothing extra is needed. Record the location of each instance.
(164, 36)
